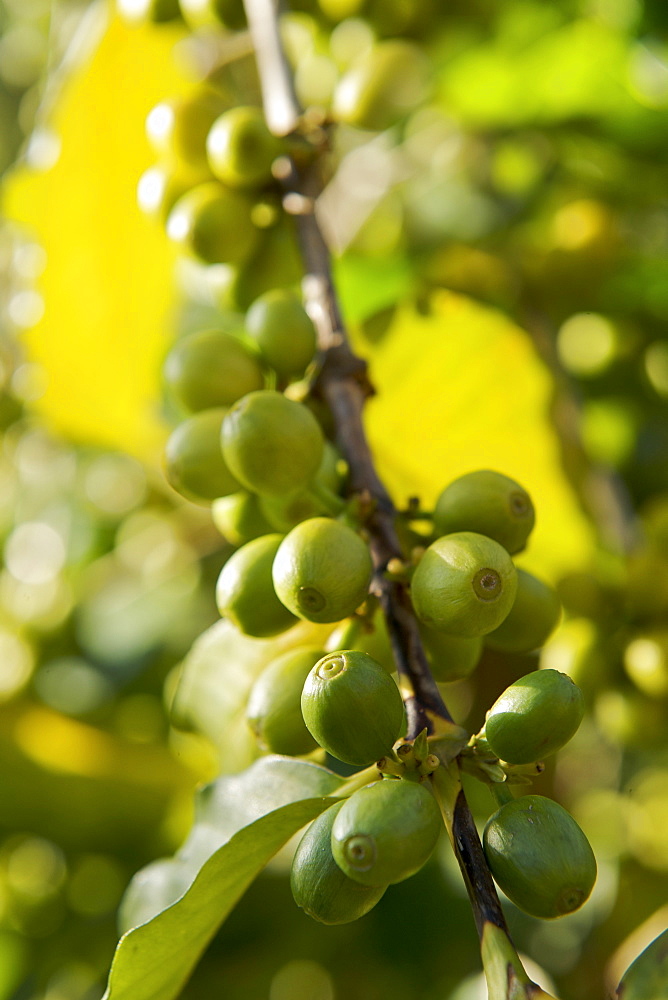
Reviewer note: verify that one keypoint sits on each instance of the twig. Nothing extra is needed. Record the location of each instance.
(344, 385)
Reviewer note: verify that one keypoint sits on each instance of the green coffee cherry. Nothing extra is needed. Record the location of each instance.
(322, 570)
(385, 84)
(274, 263)
(534, 717)
(318, 884)
(274, 706)
(194, 463)
(177, 129)
(539, 856)
(283, 331)
(239, 519)
(273, 444)
(489, 503)
(214, 223)
(370, 637)
(451, 657)
(211, 368)
(352, 707)
(647, 976)
(160, 187)
(385, 832)
(531, 620)
(245, 593)
(241, 149)
(286, 512)
(465, 584)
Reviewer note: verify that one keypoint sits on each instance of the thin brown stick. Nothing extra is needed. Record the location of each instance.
(343, 383)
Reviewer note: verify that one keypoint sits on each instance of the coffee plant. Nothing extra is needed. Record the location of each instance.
(360, 635)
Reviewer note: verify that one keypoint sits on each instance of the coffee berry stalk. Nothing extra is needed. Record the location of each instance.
(475, 601)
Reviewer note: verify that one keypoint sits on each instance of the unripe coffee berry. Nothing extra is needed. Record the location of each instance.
(385, 83)
(465, 584)
(274, 705)
(451, 657)
(240, 148)
(489, 503)
(211, 368)
(245, 593)
(177, 129)
(283, 331)
(352, 707)
(194, 462)
(214, 223)
(322, 570)
(539, 856)
(318, 884)
(239, 518)
(273, 445)
(531, 620)
(385, 832)
(534, 717)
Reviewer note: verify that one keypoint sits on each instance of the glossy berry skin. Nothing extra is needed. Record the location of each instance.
(274, 445)
(385, 84)
(352, 707)
(244, 591)
(465, 584)
(489, 503)
(322, 570)
(451, 657)
(319, 886)
(211, 368)
(286, 512)
(214, 223)
(241, 149)
(160, 187)
(274, 705)
(283, 331)
(239, 519)
(534, 717)
(531, 620)
(194, 463)
(385, 832)
(177, 129)
(539, 856)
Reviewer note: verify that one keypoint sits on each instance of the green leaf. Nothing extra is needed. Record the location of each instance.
(426, 427)
(244, 820)
(366, 285)
(647, 977)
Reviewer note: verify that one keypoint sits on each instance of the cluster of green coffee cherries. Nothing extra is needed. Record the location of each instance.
(216, 182)
(213, 189)
(387, 830)
(274, 483)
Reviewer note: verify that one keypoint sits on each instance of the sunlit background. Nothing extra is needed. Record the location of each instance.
(502, 258)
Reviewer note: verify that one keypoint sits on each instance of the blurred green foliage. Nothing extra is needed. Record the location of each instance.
(531, 181)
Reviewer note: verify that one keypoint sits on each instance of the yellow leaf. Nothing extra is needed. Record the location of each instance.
(462, 389)
(107, 286)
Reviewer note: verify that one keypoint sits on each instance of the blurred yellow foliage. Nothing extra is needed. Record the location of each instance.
(461, 389)
(107, 286)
